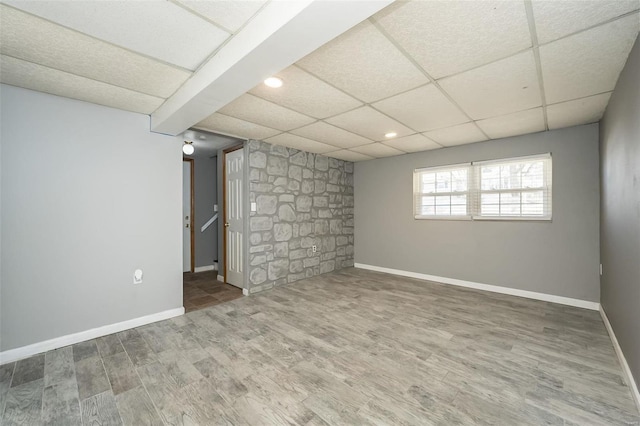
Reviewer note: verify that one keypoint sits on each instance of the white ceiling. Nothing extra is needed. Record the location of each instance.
(441, 74)
(132, 55)
(436, 73)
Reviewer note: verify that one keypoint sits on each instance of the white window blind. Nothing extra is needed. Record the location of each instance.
(506, 189)
(515, 188)
(441, 192)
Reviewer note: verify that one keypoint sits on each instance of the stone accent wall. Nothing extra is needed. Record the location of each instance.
(303, 200)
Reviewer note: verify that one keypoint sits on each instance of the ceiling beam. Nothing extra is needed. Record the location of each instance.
(282, 33)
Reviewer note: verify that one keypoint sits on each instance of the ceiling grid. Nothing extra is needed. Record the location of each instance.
(536, 54)
(431, 79)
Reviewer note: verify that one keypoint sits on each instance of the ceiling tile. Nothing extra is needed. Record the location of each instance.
(365, 64)
(17, 72)
(159, 29)
(502, 87)
(377, 150)
(323, 132)
(589, 62)
(347, 155)
(413, 143)
(303, 144)
(256, 110)
(422, 109)
(36, 40)
(220, 123)
(305, 93)
(519, 123)
(231, 14)
(555, 19)
(457, 135)
(578, 111)
(447, 37)
(369, 123)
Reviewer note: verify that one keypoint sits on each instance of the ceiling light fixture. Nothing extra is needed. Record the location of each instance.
(274, 82)
(188, 148)
(390, 135)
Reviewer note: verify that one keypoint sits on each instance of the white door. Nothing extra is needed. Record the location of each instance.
(186, 216)
(234, 215)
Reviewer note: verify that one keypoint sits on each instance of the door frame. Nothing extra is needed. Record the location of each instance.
(224, 204)
(193, 208)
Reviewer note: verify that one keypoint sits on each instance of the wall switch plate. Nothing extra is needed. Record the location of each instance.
(137, 276)
(601, 269)
(254, 207)
(215, 208)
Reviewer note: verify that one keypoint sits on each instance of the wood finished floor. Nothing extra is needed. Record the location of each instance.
(352, 347)
(201, 290)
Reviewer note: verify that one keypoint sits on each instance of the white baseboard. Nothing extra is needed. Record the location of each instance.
(70, 339)
(204, 268)
(487, 287)
(221, 278)
(628, 376)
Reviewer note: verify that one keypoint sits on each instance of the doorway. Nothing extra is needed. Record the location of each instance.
(188, 239)
(201, 286)
(233, 215)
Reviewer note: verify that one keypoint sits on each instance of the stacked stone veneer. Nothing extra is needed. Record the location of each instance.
(302, 200)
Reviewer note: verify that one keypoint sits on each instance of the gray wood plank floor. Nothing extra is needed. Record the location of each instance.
(353, 347)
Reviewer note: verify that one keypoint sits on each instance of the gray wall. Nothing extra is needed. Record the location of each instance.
(559, 257)
(88, 195)
(206, 195)
(302, 200)
(620, 211)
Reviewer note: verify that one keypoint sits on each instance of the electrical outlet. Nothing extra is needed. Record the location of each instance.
(314, 248)
(137, 276)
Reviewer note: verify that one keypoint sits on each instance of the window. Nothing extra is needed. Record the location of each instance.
(514, 188)
(442, 192)
(507, 189)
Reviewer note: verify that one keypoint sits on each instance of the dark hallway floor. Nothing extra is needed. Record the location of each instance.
(202, 289)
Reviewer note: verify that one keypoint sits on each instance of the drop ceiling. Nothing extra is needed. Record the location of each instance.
(436, 73)
(128, 55)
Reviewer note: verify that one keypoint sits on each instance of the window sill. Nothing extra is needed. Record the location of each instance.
(487, 218)
(442, 217)
(513, 218)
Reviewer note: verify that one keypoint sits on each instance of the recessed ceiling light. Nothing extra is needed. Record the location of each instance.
(274, 82)
(390, 135)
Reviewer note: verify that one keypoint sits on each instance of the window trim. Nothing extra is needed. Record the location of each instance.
(474, 191)
(543, 155)
(436, 168)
